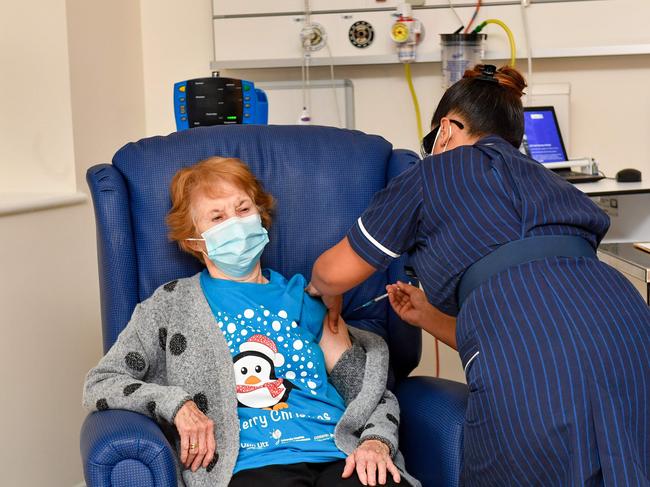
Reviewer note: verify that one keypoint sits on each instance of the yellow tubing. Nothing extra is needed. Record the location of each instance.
(416, 104)
(511, 38)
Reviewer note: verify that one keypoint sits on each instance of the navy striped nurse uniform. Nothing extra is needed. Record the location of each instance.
(555, 350)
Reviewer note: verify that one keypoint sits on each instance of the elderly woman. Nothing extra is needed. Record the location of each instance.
(238, 360)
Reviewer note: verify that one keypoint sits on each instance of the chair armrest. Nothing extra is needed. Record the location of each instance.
(123, 448)
(431, 428)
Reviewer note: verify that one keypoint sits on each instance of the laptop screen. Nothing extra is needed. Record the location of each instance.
(542, 139)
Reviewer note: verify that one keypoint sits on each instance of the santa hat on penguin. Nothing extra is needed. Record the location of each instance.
(265, 346)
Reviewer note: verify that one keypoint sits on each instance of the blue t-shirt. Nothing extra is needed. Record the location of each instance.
(287, 408)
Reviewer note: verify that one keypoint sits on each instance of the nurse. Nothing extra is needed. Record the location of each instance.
(554, 343)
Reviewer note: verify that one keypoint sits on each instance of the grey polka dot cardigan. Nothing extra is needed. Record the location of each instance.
(169, 353)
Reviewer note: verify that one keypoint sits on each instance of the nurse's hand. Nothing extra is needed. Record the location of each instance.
(334, 306)
(372, 462)
(410, 303)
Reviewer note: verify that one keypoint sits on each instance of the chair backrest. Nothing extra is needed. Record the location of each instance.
(322, 179)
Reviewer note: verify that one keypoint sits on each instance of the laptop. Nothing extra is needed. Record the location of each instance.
(543, 142)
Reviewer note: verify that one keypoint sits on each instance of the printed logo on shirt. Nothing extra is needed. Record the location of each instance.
(271, 357)
(255, 379)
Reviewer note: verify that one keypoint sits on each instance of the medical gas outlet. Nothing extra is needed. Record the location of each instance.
(407, 32)
(313, 37)
(361, 34)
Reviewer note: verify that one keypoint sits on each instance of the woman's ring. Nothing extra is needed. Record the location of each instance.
(193, 446)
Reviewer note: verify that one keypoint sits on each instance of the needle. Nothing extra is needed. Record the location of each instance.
(372, 301)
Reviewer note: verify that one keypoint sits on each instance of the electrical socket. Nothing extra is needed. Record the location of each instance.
(608, 205)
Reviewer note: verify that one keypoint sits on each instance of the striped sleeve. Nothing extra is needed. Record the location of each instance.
(389, 225)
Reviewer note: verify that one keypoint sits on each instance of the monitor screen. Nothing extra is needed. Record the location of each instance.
(542, 140)
(214, 101)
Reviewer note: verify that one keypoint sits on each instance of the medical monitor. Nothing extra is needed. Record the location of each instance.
(542, 137)
(201, 102)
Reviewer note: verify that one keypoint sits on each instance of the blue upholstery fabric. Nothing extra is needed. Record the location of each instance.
(322, 178)
(123, 449)
(432, 416)
(132, 472)
(118, 273)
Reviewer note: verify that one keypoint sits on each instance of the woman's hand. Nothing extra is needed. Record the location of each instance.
(197, 436)
(334, 344)
(334, 306)
(410, 303)
(372, 461)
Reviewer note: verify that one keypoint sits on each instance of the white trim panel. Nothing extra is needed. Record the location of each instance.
(470, 361)
(372, 240)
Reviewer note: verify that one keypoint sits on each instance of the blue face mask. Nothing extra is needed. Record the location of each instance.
(235, 246)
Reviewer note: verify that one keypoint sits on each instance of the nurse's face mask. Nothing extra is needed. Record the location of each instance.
(235, 245)
(429, 140)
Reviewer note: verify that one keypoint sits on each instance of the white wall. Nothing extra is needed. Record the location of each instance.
(49, 297)
(610, 108)
(34, 55)
(176, 45)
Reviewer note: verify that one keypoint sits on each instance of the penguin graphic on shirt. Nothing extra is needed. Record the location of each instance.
(255, 379)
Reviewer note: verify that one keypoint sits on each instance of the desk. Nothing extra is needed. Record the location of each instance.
(610, 187)
(628, 206)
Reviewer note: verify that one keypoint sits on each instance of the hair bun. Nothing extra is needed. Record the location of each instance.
(507, 76)
(511, 79)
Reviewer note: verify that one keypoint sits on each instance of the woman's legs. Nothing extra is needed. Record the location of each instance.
(295, 474)
(302, 475)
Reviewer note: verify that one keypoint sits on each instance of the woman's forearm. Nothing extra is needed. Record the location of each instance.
(441, 326)
(411, 304)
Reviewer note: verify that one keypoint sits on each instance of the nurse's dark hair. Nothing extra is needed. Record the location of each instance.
(488, 107)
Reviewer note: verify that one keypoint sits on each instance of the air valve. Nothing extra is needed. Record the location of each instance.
(313, 37)
(361, 34)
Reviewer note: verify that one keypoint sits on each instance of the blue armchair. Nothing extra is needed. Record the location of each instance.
(323, 178)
